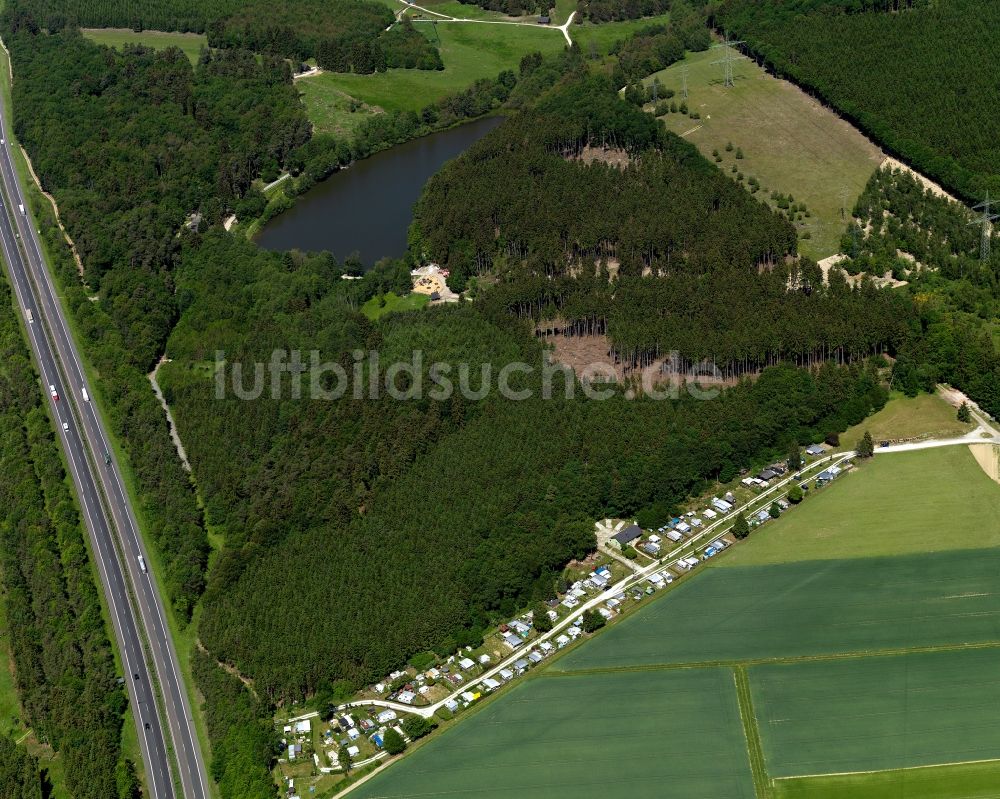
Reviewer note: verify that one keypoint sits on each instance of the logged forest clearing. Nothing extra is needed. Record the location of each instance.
(790, 143)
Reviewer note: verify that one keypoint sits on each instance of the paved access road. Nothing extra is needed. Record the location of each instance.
(61, 367)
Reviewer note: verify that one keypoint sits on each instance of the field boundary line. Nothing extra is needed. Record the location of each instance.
(774, 661)
(755, 748)
(889, 770)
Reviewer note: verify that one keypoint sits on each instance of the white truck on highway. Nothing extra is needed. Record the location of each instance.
(20, 207)
(142, 564)
(29, 315)
(86, 396)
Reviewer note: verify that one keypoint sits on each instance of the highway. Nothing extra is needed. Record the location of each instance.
(83, 431)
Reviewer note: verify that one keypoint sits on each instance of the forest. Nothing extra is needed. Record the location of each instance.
(914, 80)
(563, 204)
(19, 776)
(617, 10)
(163, 15)
(656, 47)
(342, 35)
(64, 667)
(132, 144)
(410, 502)
(954, 292)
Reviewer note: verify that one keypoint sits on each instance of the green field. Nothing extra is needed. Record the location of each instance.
(923, 416)
(190, 43)
(811, 608)
(966, 781)
(10, 706)
(637, 735)
(329, 108)
(393, 302)
(469, 51)
(893, 506)
(878, 713)
(590, 36)
(791, 144)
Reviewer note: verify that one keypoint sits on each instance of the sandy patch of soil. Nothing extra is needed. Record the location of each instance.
(988, 457)
(892, 163)
(613, 156)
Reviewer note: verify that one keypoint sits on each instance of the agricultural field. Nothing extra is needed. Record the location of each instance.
(791, 144)
(190, 43)
(470, 51)
(573, 737)
(849, 519)
(965, 781)
(810, 608)
(878, 713)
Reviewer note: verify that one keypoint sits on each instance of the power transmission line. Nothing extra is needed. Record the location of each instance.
(730, 56)
(986, 221)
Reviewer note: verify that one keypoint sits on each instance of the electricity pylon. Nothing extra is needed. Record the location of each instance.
(730, 56)
(986, 222)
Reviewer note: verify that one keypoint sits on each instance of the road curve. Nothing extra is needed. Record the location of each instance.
(35, 290)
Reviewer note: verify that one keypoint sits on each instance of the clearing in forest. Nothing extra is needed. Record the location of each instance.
(469, 50)
(791, 144)
(189, 43)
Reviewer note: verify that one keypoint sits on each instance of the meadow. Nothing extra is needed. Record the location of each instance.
(599, 38)
(791, 143)
(923, 416)
(577, 737)
(469, 50)
(190, 43)
(379, 306)
(894, 506)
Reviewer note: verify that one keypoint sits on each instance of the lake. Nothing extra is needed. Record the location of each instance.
(369, 206)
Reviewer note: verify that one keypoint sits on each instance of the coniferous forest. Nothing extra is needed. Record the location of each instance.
(911, 74)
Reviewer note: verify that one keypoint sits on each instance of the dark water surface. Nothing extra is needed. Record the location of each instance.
(369, 206)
